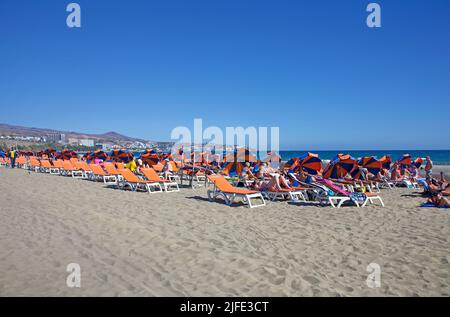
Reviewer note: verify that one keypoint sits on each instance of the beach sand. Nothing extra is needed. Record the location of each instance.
(136, 244)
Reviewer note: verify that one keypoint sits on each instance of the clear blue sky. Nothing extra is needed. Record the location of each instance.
(313, 68)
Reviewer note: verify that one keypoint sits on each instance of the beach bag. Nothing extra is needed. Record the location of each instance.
(359, 197)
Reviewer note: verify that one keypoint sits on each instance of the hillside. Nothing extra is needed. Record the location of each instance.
(12, 130)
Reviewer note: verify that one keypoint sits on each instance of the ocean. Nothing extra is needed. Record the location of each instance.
(439, 157)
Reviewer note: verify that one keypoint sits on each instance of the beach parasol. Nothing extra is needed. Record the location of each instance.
(272, 157)
(25, 153)
(404, 160)
(50, 152)
(150, 158)
(371, 163)
(97, 154)
(66, 155)
(120, 156)
(418, 162)
(310, 163)
(244, 155)
(233, 168)
(231, 165)
(386, 162)
(340, 166)
(357, 173)
(293, 163)
(334, 171)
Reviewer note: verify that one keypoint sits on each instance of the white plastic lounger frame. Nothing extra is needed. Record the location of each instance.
(109, 179)
(371, 199)
(78, 174)
(54, 171)
(337, 201)
(230, 197)
(152, 188)
(170, 187)
(297, 195)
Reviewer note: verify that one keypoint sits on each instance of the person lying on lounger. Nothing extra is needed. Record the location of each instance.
(275, 183)
(395, 173)
(305, 177)
(247, 172)
(263, 171)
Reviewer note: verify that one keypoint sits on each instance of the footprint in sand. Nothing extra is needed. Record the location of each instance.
(311, 279)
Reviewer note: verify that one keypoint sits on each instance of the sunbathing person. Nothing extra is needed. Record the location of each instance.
(306, 177)
(395, 173)
(385, 174)
(265, 171)
(300, 176)
(275, 183)
(247, 172)
(413, 172)
(270, 169)
(444, 183)
(262, 171)
(436, 186)
(439, 201)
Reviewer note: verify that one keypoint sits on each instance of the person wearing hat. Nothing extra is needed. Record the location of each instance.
(167, 169)
(139, 166)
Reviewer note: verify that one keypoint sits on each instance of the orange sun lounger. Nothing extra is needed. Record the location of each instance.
(168, 186)
(21, 162)
(47, 167)
(83, 166)
(294, 194)
(134, 183)
(34, 164)
(70, 170)
(97, 173)
(223, 188)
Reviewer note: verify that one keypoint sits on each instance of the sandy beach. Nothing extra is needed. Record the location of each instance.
(177, 244)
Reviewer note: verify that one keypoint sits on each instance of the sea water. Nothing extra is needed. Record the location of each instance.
(439, 157)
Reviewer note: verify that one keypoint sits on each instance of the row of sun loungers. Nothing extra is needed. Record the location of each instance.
(324, 191)
(109, 174)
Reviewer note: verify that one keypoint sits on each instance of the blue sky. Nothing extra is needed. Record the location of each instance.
(312, 68)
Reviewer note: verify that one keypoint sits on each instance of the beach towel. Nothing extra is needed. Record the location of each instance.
(359, 197)
(427, 205)
(334, 187)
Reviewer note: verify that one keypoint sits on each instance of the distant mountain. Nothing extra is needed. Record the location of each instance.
(116, 136)
(12, 130)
